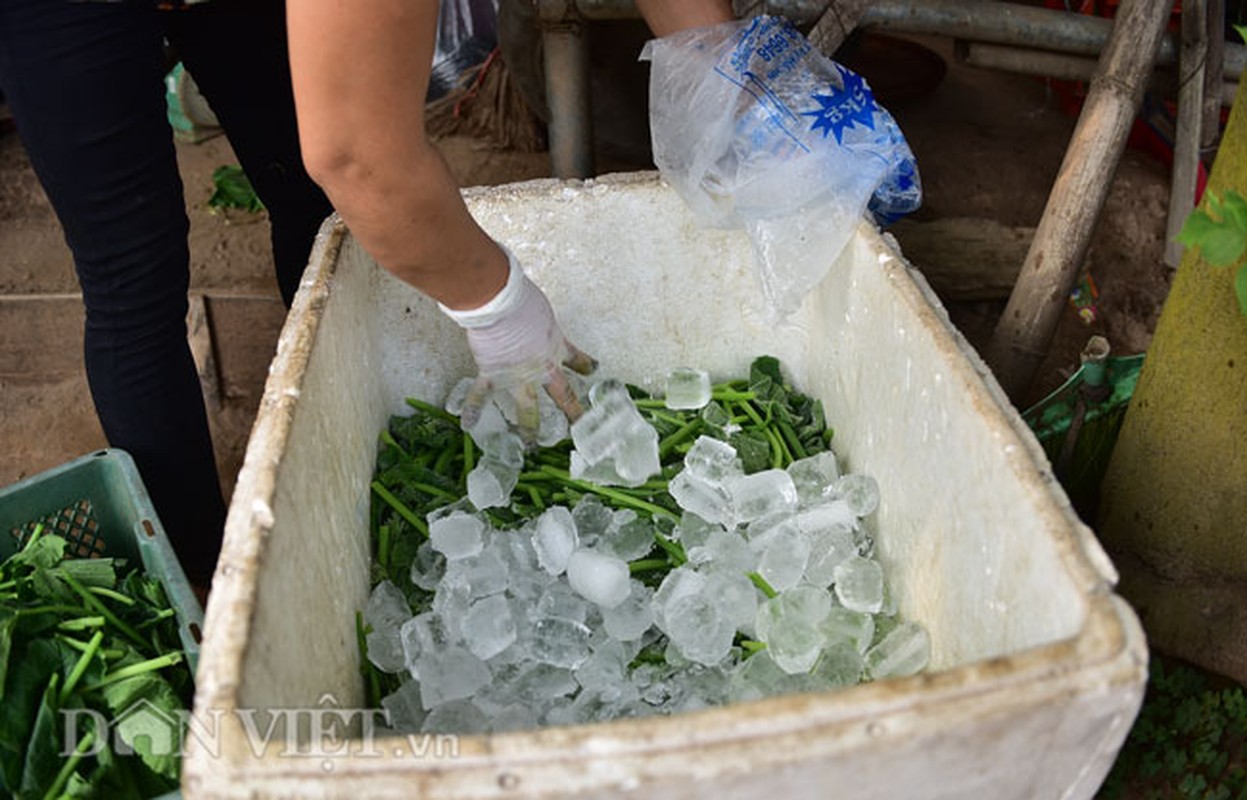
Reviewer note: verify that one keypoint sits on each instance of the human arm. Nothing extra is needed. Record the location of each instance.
(360, 72)
(665, 17)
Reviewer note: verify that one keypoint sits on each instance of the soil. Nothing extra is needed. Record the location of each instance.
(988, 144)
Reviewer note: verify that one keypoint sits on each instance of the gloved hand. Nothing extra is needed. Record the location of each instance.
(518, 345)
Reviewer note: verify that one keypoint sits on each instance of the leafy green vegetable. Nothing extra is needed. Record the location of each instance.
(83, 641)
(233, 189)
(1190, 739)
(423, 461)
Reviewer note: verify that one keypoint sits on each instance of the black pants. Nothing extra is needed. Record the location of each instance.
(85, 83)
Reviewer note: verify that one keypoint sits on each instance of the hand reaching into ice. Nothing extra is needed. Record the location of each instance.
(518, 346)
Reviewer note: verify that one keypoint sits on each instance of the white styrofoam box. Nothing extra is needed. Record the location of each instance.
(1038, 668)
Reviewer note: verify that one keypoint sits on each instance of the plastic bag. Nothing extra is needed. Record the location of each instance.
(466, 33)
(756, 129)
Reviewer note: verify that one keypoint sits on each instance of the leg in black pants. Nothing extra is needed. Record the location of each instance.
(84, 81)
(236, 52)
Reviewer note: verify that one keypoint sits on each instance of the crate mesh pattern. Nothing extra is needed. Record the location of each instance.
(75, 523)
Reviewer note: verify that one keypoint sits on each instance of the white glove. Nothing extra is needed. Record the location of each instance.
(518, 345)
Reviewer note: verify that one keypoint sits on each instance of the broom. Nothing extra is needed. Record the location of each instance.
(487, 104)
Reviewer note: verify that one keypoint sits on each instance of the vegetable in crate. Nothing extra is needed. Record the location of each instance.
(90, 658)
(671, 554)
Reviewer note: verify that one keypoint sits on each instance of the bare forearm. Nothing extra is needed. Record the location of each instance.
(669, 16)
(360, 73)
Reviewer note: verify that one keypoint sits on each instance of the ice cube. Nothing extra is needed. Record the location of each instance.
(860, 492)
(789, 624)
(678, 583)
(483, 574)
(736, 595)
(490, 421)
(693, 530)
(707, 500)
(456, 716)
(760, 532)
(602, 473)
(555, 539)
(717, 420)
(724, 550)
(424, 633)
(629, 536)
(599, 578)
(534, 682)
(840, 664)
(403, 712)
(451, 603)
(759, 676)
(491, 482)
(428, 567)
(636, 458)
(813, 476)
(629, 620)
(605, 668)
(462, 505)
(687, 388)
(701, 687)
(828, 514)
(759, 494)
(845, 625)
(712, 460)
(793, 646)
(808, 604)
(593, 519)
(385, 650)
(451, 673)
(488, 628)
(516, 550)
(457, 535)
(387, 607)
(597, 433)
(859, 584)
(560, 642)
(829, 547)
(698, 626)
(552, 426)
(558, 599)
(906, 650)
(784, 559)
(517, 717)
(457, 395)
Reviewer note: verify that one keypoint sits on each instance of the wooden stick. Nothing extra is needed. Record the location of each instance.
(1024, 332)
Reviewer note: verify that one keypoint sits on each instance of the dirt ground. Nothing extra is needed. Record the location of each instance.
(988, 145)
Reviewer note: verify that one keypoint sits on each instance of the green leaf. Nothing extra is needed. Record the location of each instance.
(33, 666)
(1219, 229)
(1240, 289)
(43, 553)
(8, 622)
(1241, 30)
(754, 450)
(90, 571)
(43, 758)
(147, 719)
(233, 190)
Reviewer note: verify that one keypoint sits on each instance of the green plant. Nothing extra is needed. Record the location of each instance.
(232, 189)
(1189, 741)
(84, 642)
(1220, 232)
(424, 460)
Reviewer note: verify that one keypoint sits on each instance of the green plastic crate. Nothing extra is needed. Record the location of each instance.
(99, 505)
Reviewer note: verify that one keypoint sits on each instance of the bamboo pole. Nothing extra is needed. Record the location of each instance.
(1024, 332)
(1187, 140)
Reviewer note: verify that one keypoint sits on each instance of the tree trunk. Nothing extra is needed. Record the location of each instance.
(1173, 509)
